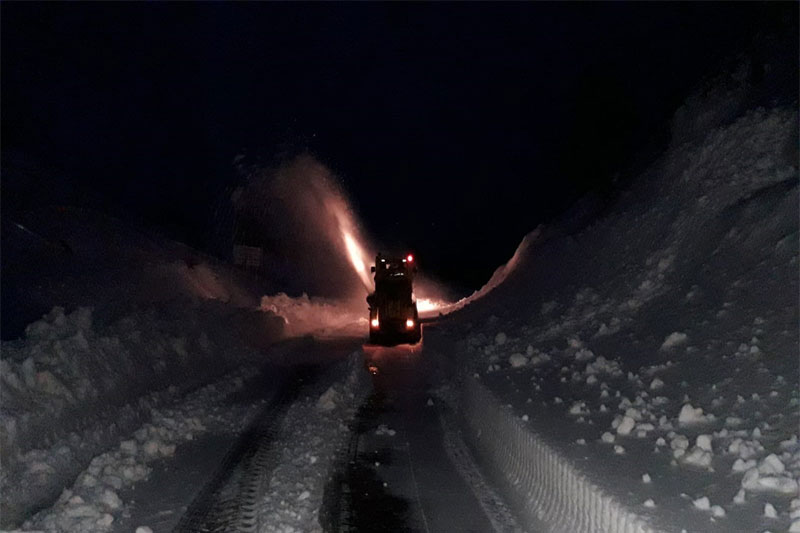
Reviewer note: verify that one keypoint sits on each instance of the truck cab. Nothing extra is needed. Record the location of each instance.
(393, 316)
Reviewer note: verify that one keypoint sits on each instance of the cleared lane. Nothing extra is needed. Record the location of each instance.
(398, 476)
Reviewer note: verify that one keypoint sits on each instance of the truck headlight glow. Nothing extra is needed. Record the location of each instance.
(374, 323)
(409, 324)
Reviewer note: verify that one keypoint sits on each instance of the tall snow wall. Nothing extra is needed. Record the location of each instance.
(697, 256)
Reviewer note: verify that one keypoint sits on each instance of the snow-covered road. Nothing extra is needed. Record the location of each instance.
(398, 473)
(216, 459)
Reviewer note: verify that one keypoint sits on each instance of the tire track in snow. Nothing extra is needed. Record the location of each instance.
(229, 500)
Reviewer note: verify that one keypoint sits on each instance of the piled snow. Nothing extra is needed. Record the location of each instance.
(691, 415)
(92, 503)
(674, 339)
(71, 388)
(311, 435)
(547, 488)
(303, 315)
(661, 338)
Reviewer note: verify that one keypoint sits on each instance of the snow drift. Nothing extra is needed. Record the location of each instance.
(652, 354)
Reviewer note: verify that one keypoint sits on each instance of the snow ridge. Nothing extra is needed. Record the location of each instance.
(545, 486)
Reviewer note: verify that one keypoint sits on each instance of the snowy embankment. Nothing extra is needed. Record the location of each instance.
(310, 434)
(71, 390)
(641, 375)
(147, 320)
(93, 503)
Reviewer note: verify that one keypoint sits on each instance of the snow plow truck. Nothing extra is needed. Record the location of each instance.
(393, 317)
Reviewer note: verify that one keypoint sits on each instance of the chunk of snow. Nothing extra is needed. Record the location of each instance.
(327, 402)
(717, 511)
(649, 503)
(626, 426)
(771, 464)
(166, 450)
(674, 339)
(789, 443)
(143, 529)
(607, 437)
(704, 442)
(732, 421)
(303, 495)
(769, 511)
(656, 384)
(702, 503)
(646, 478)
(697, 457)
(740, 465)
(110, 499)
(40, 467)
(753, 481)
(619, 450)
(151, 448)
(679, 442)
(82, 511)
(128, 447)
(691, 415)
(383, 429)
(574, 342)
(516, 360)
(578, 408)
(500, 339)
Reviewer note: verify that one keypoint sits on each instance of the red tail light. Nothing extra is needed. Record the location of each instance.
(374, 323)
(410, 258)
(409, 324)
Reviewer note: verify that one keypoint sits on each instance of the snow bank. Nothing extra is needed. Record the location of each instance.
(546, 486)
(70, 389)
(661, 340)
(318, 316)
(92, 503)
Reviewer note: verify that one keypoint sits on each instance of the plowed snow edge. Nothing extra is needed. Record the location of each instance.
(545, 487)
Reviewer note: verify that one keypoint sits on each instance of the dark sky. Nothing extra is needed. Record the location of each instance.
(455, 128)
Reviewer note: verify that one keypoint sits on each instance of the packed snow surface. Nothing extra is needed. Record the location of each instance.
(311, 435)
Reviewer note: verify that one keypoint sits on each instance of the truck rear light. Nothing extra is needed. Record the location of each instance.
(374, 323)
(409, 324)
(410, 258)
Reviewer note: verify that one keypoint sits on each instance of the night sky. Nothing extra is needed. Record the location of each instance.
(454, 128)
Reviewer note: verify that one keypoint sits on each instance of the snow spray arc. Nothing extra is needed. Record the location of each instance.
(302, 220)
